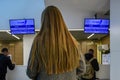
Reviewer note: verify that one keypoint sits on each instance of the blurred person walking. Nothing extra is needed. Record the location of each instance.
(5, 62)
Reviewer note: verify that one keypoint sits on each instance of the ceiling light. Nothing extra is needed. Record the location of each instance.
(8, 32)
(13, 35)
(90, 36)
(16, 36)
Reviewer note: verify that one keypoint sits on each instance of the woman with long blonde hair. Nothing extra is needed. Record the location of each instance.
(54, 54)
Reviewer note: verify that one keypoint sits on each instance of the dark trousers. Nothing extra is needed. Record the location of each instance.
(2, 76)
(89, 79)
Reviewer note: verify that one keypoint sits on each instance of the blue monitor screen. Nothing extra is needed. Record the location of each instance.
(22, 26)
(92, 25)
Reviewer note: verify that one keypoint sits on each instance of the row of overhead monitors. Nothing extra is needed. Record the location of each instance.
(91, 25)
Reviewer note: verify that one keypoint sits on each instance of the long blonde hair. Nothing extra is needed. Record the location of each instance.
(54, 46)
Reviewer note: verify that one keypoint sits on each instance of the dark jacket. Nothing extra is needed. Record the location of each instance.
(94, 64)
(4, 63)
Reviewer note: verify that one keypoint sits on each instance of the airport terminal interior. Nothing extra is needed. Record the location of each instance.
(74, 12)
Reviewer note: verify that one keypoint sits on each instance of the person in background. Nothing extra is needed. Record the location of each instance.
(54, 53)
(94, 66)
(4, 63)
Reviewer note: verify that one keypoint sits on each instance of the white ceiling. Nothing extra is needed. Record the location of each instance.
(82, 5)
(75, 11)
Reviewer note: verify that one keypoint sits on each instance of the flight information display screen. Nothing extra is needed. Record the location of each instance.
(22, 26)
(92, 25)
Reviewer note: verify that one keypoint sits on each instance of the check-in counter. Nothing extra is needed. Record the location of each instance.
(19, 73)
(104, 72)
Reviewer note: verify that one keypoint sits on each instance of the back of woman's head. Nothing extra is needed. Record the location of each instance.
(58, 50)
(52, 20)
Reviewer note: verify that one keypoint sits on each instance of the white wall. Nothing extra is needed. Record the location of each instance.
(27, 43)
(19, 73)
(115, 39)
